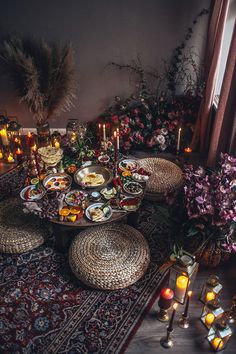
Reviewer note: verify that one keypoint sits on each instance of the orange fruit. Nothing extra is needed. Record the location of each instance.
(64, 212)
(126, 174)
(76, 210)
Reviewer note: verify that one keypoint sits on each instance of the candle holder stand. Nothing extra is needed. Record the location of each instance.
(162, 315)
(167, 342)
(183, 321)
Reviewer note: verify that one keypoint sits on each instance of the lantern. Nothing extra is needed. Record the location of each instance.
(56, 139)
(219, 335)
(211, 290)
(72, 129)
(3, 130)
(182, 276)
(13, 132)
(211, 313)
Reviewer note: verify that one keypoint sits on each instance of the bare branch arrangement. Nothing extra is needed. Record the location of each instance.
(43, 75)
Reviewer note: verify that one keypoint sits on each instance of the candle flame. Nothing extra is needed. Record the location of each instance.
(175, 306)
(188, 149)
(29, 134)
(104, 126)
(115, 134)
(190, 293)
(180, 129)
(99, 125)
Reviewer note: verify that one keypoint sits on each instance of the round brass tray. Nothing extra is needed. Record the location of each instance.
(82, 172)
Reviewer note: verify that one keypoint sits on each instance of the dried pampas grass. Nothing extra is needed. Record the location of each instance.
(43, 75)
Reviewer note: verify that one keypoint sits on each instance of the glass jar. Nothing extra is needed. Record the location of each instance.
(43, 132)
(72, 129)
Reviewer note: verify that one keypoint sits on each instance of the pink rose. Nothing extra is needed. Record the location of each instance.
(126, 120)
(115, 119)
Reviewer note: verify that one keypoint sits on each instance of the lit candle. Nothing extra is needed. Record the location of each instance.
(29, 139)
(1, 155)
(188, 150)
(19, 153)
(34, 148)
(3, 134)
(104, 132)
(166, 297)
(57, 144)
(181, 287)
(178, 140)
(170, 326)
(209, 319)
(210, 296)
(73, 137)
(217, 343)
(10, 158)
(187, 304)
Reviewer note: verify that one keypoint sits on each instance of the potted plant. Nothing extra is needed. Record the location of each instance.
(43, 75)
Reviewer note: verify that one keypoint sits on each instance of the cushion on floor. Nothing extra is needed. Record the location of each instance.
(110, 257)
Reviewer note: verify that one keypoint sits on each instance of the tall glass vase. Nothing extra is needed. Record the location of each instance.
(43, 132)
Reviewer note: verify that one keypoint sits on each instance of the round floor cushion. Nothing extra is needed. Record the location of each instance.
(19, 232)
(109, 257)
(165, 177)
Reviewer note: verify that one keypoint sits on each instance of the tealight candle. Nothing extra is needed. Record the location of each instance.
(57, 144)
(217, 343)
(181, 286)
(209, 319)
(1, 155)
(34, 148)
(188, 150)
(210, 296)
(10, 158)
(19, 154)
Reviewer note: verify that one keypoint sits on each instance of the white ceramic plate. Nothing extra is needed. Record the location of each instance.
(129, 165)
(31, 198)
(98, 205)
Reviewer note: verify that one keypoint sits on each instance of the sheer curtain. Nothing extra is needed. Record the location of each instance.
(212, 58)
(224, 131)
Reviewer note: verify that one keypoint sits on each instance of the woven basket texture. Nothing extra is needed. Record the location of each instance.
(19, 232)
(165, 177)
(109, 257)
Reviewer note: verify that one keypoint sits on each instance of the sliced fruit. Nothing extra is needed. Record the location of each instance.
(71, 218)
(34, 180)
(64, 212)
(126, 174)
(76, 210)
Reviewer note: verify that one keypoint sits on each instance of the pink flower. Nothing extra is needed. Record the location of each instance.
(115, 119)
(127, 145)
(126, 120)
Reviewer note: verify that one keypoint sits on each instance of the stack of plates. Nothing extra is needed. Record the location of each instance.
(165, 177)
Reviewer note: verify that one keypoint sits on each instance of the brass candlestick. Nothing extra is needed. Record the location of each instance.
(162, 315)
(183, 322)
(166, 341)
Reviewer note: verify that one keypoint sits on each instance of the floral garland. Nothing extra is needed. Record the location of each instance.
(151, 123)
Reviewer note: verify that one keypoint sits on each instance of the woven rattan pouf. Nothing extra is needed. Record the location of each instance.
(165, 177)
(109, 257)
(19, 232)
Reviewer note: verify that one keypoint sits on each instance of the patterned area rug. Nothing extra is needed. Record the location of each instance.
(45, 309)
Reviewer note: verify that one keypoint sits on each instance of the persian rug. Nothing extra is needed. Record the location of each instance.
(45, 309)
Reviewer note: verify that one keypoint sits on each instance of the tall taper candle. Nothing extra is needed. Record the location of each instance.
(178, 140)
(104, 132)
(170, 326)
(185, 314)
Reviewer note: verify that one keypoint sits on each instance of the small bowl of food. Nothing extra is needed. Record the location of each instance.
(129, 165)
(103, 159)
(32, 192)
(133, 188)
(108, 193)
(95, 196)
(98, 212)
(130, 203)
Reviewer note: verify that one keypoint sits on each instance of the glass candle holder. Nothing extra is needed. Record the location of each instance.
(211, 313)
(182, 276)
(4, 121)
(219, 335)
(211, 290)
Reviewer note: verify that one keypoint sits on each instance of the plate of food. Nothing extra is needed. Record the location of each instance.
(130, 203)
(129, 165)
(98, 212)
(94, 176)
(108, 193)
(57, 182)
(133, 188)
(32, 192)
(75, 197)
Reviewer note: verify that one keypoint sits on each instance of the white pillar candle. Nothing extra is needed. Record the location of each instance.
(178, 140)
(3, 134)
(104, 132)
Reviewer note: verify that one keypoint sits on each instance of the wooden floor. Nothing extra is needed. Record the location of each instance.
(191, 340)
